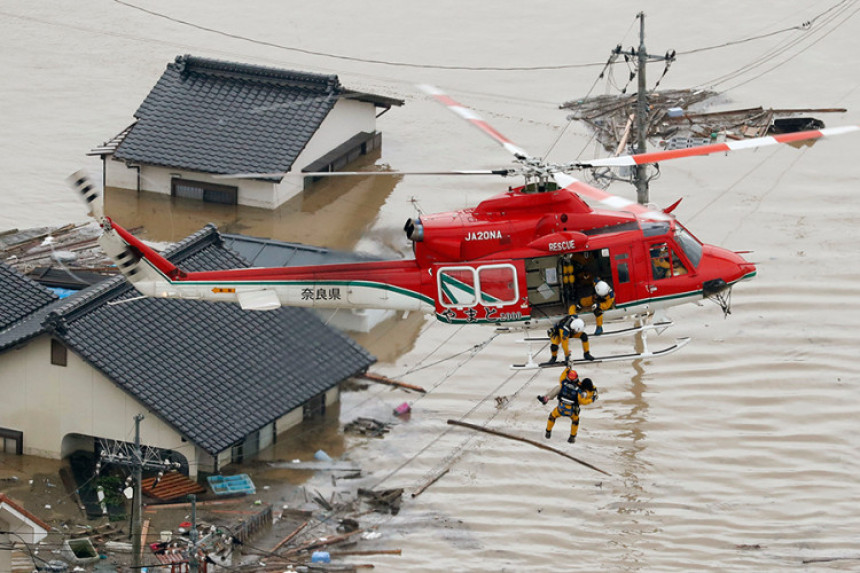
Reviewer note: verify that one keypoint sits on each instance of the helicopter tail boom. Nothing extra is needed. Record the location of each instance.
(393, 285)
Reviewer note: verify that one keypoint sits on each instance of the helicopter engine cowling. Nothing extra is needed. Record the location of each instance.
(414, 230)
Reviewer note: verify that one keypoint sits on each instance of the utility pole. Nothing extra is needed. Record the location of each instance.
(642, 116)
(642, 107)
(137, 471)
(119, 453)
(192, 553)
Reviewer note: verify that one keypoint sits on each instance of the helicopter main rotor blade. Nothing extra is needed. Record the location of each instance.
(495, 172)
(656, 156)
(475, 119)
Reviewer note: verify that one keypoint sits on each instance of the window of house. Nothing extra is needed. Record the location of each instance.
(206, 192)
(11, 441)
(59, 354)
(314, 407)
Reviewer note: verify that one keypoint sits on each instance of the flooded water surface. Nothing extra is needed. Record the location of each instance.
(738, 453)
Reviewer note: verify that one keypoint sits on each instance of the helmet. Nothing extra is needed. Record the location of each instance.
(577, 325)
(572, 374)
(601, 288)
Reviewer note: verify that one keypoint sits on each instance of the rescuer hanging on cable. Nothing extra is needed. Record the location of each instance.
(571, 393)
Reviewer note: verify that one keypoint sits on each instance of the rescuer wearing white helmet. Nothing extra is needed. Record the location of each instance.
(571, 393)
(561, 332)
(604, 299)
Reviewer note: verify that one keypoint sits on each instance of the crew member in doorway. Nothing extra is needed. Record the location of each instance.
(604, 299)
(560, 334)
(571, 393)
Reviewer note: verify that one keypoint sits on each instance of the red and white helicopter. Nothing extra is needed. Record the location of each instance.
(506, 262)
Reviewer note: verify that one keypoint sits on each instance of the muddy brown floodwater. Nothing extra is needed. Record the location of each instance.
(738, 453)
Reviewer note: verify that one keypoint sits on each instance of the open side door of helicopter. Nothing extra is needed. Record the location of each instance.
(485, 292)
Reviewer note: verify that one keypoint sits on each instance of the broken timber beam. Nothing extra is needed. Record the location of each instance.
(390, 382)
(321, 543)
(526, 440)
(430, 482)
(290, 536)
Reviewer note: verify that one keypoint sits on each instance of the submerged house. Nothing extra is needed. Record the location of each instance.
(19, 529)
(205, 118)
(216, 384)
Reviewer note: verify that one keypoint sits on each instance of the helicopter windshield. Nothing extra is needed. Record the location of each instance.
(691, 247)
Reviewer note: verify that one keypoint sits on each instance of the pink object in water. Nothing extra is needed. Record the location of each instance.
(403, 408)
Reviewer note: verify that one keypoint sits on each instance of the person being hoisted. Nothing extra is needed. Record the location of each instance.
(560, 334)
(571, 393)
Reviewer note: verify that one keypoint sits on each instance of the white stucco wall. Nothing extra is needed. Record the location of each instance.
(347, 118)
(46, 402)
(332, 396)
(157, 180)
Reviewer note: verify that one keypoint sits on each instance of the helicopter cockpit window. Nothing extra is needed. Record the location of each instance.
(661, 264)
(691, 247)
(666, 263)
(678, 267)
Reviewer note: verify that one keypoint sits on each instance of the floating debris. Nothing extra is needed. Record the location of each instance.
(384, 501)
(676, 118)
(367, 427)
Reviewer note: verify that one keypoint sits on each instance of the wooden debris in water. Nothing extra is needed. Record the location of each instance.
(72, 247)
(367, 427)
(287, 539)
(387, 500)
(677, 118)
(430, 482)
(525, 440)
(389, 382)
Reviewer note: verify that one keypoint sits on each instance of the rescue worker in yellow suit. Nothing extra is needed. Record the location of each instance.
(601, 300)
(572, 393)
(660, 264)
(561, 332)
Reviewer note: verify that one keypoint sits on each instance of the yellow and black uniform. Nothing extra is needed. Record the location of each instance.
(560, 334)
(660, 264)
(571, 393)
(602, 302)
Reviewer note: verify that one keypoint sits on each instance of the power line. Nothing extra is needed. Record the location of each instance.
(353, 58)
(783, 47)
(803, 26)
(428, 66)
(792, 57)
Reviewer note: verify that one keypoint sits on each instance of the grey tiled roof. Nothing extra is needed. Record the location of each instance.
(271, 253)
(20, 296)
(214, 372)
(223, 117)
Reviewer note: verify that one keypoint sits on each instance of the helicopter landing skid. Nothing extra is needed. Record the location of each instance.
(658, 326)
(679, 343)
